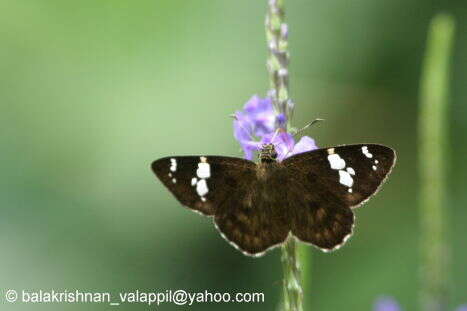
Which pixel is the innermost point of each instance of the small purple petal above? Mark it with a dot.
(252, 104)
(462, 308)
(249, 147)
(256, 105)
(284, 30)
(248, 153)
(386, 304)
(257, 117)
(305, 144)
(265, 123)
(281, 120)
(242, 127)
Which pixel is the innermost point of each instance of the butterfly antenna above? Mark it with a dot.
(301, 130)
(275, 134)
(307, 126)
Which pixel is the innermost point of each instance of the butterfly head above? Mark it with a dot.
(267, 153)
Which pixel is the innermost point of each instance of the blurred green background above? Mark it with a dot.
(91, 92)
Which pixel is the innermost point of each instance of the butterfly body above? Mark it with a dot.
(256, 206)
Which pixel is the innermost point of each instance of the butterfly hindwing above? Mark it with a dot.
(255, 218)
(317, 216)
(203, 183)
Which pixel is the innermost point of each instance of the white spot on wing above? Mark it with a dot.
(350, 190)
(204, 170)
(350, 171)
(203, 199)
(330, 150)
(376, 161)
(202, 187)
(173, 164)
(336, 162)
(366, 152)
(174, 180)
(203, 159)
(345, 178)
(193, 181)
(374, 168)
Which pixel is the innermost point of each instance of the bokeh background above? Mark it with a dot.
(91, 92)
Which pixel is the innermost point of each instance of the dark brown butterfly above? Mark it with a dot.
(256, 206)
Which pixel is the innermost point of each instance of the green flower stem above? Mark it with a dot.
(293, 294)
(433, 152)
(277, 64)
(304, 258)
(278, 59)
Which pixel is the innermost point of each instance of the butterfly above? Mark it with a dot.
(256, 206)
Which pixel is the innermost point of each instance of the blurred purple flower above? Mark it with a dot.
(390, 304)
(386, 304)
(256, 119)
(305, 144)
(256, 125)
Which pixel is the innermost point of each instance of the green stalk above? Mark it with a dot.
(304, 258)
(277, 64)
(433, 156)
(278, 59)
(293, 293)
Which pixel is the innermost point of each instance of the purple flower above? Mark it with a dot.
(285, 144)
(305, 144)
(256, 119)
(386, 304)
(257, 124)
(390, 304)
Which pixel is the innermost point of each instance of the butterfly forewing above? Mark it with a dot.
(352, 173)
(203, 183)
